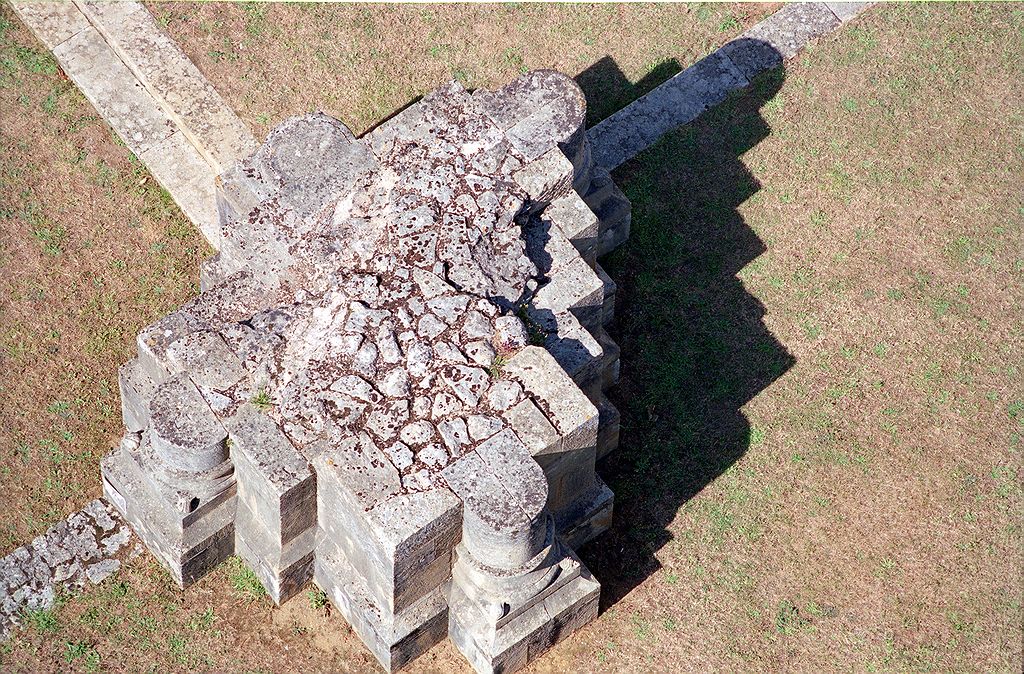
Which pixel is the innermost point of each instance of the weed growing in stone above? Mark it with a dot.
(317, 599)
(497, 367)
(261, 400)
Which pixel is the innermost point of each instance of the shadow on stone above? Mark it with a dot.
(608, 89)
(694, 347)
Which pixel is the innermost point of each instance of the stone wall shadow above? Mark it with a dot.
(607, 88)
(694, 346)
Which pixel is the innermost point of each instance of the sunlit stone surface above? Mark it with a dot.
(392, 382)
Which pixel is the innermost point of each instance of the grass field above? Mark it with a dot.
(820, 319)
(361, 63)
(91, 250)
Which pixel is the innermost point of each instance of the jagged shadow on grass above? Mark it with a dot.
(607, 88)
(694, 346)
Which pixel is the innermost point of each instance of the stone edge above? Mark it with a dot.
(179, 161)
(616, 140)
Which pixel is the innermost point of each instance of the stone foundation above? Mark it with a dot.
(393, 380)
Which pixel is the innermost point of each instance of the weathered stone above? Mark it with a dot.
(168, 73)
(137, 389)
(394, 638)
(181, 170)
(503, 394)
(87, 546)
(481, 427)
(510, 334)
(846, 11)
(102, 75)
(361, 346)
(185, 432)
(273, 477)
(51, 22)
(780, 36)
(681, 99)
(570, 412)
(534, 429)
(207, 359)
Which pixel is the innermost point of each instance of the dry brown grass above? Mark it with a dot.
(91, 250)
(361, 63)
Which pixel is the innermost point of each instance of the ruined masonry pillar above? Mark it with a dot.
(392, 383)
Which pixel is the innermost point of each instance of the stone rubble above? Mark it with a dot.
(392, 382)
(86, 547)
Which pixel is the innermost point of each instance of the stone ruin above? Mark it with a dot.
(392, 381)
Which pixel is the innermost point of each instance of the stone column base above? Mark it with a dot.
(510, 642)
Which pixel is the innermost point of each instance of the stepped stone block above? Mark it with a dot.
(394, 638)
(275, 524)
(608, 306)
(353, 397)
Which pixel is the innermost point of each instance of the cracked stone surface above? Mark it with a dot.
(356, 396)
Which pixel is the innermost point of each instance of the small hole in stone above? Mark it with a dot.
(193, 504)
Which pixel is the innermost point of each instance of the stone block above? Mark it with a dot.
(238, 191)
(395, 639)
(273, 477)
(188, 553)
(547, 178)
(528, 635)
(137, 388)
(402, 545)
(587, 517)
(534, 429)
(569, 410)
(615, 215)
(608, 430)
(573, 287)
(174, 81)
(609, 359)
(845, 11)
(608, 304)
(361, 473)
(108, 84)
(183, 172)
(572, 346)
(570, 475)
(680, 100)
(185, 432)
(778, 37)
(282, 569)
(533, 91)
(154, 340)
(574, 219)
(51, 22)
(207, 360)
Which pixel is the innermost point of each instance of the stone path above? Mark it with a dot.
(86, 547)
(681, 99)
(149, 91)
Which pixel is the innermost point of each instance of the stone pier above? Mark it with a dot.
(392, 382)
